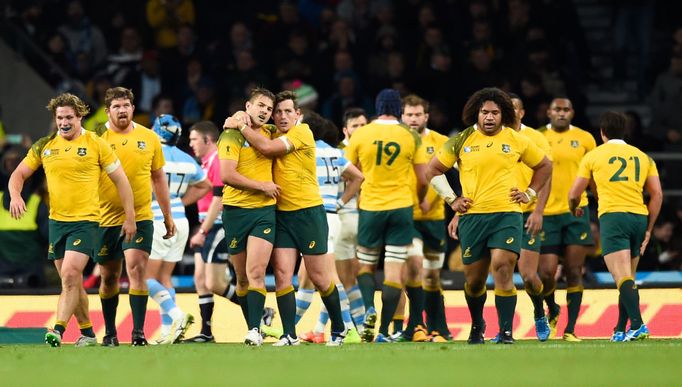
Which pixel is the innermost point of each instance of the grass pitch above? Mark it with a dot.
(527, 363)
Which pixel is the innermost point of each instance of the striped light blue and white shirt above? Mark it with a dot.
(181, 171)
(330, 166)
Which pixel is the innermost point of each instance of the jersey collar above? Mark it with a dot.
(616, 141)
(386, 122)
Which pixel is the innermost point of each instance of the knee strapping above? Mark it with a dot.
(397, 254)
(433, 261)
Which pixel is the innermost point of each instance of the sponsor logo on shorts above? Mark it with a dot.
(311, 244)
(104, 251)
(77, 242)
(510, 240)
(233, 243)
(583, 236)
(82, 151)
(542, 236)
(139, 240)
(531, 242)
(467, 253)
(267, 231)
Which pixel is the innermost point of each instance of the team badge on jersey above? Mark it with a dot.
(141, 145)
(429, 150)
(575, 143)
(82, 151)
(506, 148)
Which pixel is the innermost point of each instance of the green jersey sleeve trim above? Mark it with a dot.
(459, 139)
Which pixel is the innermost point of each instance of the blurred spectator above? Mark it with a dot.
(535, 100)
(541, 63)
(660, 252)
(162, 104)
(23, 242)
(147, 84)
(166, 17)
(200, 106)
(431, 41)
(245, 72)
(295, 59)
(481, 71)
(98, 116)
(665, 102)
(57, 51)
(123, 65)
(83, 39)
(31, 20)
(345, 96)
(176, 63)
(633, 29)
(634, 134)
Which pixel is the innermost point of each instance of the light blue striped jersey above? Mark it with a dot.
(330, 166)
(181, 172)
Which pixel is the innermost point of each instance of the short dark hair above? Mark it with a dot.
(257, 91)
(322, 128)
(285, 95)
(415, 100)
(516, 96)
(493, 94)
(206, 128)
(353, 112)
(612, 124)
(118, 93)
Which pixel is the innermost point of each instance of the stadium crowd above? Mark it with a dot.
(200, 62)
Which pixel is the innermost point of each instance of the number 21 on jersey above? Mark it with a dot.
(619, 175)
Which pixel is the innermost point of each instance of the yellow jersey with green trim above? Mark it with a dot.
(620, 172)
(524, 173)
(431, 142)
(296, 171)
(487, 166)
(385, 151)
(250, 163)
(73, 169)
(568, 148)
(140, 153)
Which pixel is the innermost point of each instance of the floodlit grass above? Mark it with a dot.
(527, 363)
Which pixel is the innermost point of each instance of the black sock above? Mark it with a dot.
(390, 297)
(206, 310)
(574, 298)
(109, 306)
(367, 288)
(476, 302)
(630, 296)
